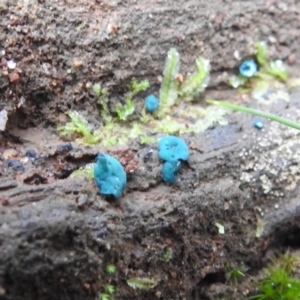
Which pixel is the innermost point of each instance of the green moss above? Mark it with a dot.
(126, 110)
(261, 53)
(233, 275)
(148, 140)
(169, 87)
(278, 283)
(271, 74)
(80, 26)
(106, 297)
(257, 113)
(88, 170)
(171, 91)
(143, 283)
(175, 115)
(277, 70)
(80, 127)
(137, 87)
(167, 255)
(197, 82)
(111, 269)
(259, 226)
(109, 289)
(102, 94)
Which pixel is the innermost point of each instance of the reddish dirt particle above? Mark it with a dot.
(5, 202)
(180, 78)
(78, 63)
(14, 77)
(127, 159)
(168, 242)
(193, 146)
(291, 59)
(3, 62)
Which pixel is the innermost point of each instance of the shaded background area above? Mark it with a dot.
(60, 46)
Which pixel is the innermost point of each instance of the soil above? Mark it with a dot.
(57, 234)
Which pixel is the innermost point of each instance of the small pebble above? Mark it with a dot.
(82, 200)
(258, 124)
(11, 64)
(10, 153)
(14, 164)
(64, 147)
(102, 233)
(149, 153)
(24, 160)
(31, 154)
(236, 55)
(291, 59)
(3, 119)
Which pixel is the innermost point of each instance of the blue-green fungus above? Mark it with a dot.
(248, 68)
(172, 150)
(109, 175)
(152, 103)
(169, 171)
(258, 124)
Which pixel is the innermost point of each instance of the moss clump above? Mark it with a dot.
(233, 275)
(176, 114)
(279, 283)
(143, 283)
(271, 74)
(80, 127)
(126, 110)
(88, 170)
(102, 94)
(109, 290)
(168, 93)
(111, 269)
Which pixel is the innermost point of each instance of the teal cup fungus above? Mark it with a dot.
(172, 150)
(248, 68)
(109, 175)
(152, 103)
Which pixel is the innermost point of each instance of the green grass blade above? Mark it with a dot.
(257, 113)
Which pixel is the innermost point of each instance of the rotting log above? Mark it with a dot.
(58, 238)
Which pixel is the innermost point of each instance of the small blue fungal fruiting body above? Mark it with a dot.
(173, 150)
(248, 68)
(109, 175)
(152, 103)
(169, 171)
(258, 124)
